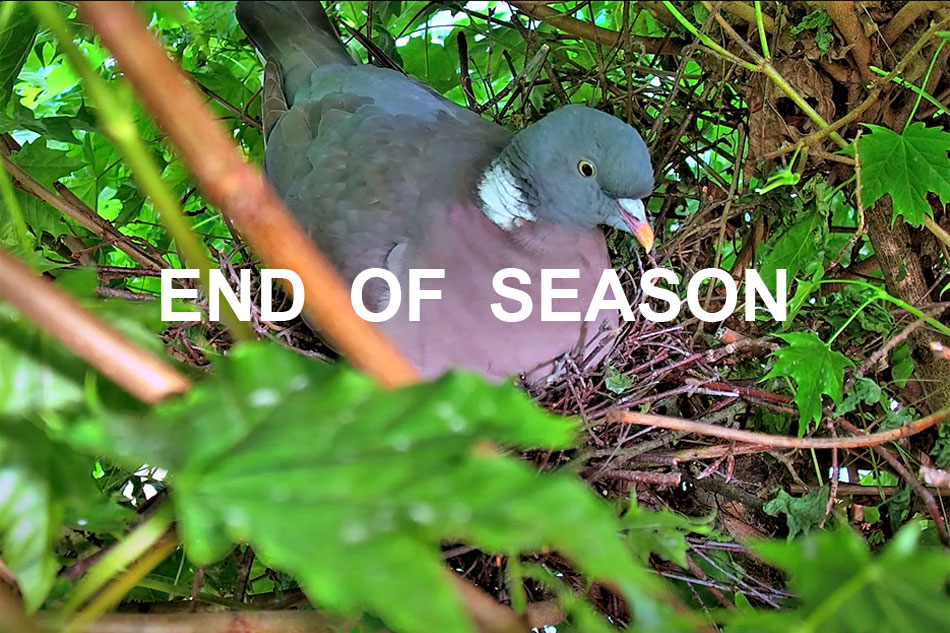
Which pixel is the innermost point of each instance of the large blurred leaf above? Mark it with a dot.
(42, 482)
(906, 166)
(843, 588)
(352, 487)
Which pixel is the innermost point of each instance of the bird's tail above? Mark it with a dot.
(297, 36)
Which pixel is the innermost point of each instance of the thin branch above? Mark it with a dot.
(238, 190)
(590, 32)
(925, 495)
(779, 441)
(135, 370)
(83, 215)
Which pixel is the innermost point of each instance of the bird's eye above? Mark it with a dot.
(586, 168)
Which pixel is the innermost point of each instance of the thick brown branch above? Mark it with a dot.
(135, 370)
(844, 16)
(238, 190)
(908, 14)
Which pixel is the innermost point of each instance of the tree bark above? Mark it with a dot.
(904, 278)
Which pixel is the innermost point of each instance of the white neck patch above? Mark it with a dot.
(502, 201)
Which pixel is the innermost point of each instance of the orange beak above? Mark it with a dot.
(635, 217)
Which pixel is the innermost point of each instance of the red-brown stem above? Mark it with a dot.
(135, 370)
(779, 441)
(238, 190)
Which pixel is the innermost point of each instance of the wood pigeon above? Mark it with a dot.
(386, 173)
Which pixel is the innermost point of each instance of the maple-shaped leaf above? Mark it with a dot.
(816, 370)
(906, 166)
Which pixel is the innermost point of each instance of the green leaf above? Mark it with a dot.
(44, 164)
(803, 243)
(842, 587)
(17, 33)
(617, 382)
(801, 513)
(336, 480)
(43, 482)
(663, 533)
(864, 390)
(30, 514)
(902, 365)
(906, 166)
(36, 374)
(816, 370)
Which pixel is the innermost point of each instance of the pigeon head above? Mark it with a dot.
(577, 167)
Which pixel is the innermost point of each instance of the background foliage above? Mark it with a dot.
(292, 482)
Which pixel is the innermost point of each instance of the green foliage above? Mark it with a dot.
(348, 491)
(816, 370)
(864, 390)
(819, 22)
(44, 483)
(801, 513)
(906, 166)
(842, 587)
(617, 382)
(382, 477)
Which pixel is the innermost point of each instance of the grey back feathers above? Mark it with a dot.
(297, 36)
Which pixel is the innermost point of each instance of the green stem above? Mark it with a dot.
(705, 39)
(113, 594)
(117, 559)
(119, 124)
(903, 305)
(851, 318)
(203, 596)
(906, 84)
(923, 85)
(763, 37)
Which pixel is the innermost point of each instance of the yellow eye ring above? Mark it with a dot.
(586, 168)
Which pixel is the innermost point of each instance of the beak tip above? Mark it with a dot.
(644, 235)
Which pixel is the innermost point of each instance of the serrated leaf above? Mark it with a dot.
(906, 166)
(338, 481)
(816, 370)
(801, 513)
(17, 33)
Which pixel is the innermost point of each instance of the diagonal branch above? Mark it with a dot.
(238, 190)
(135, 370)
(75, 209)
(591, 32)
(779, 441)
